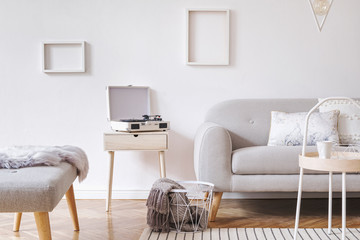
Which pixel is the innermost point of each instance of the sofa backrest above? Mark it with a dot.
(248, 120)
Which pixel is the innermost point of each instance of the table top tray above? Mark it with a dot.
(339, 162)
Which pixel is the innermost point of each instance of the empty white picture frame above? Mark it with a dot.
(63, 56)
(208, 33)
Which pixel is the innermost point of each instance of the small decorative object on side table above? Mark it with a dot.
(338, 162)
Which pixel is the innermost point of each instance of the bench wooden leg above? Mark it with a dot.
(70, 198)
(17, 220)
(43, 225)
(215, 205)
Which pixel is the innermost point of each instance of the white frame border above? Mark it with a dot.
(81, 43)
(227, 42)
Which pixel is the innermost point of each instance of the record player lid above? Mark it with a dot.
(127, 102)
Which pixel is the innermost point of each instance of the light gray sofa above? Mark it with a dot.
(231, 151)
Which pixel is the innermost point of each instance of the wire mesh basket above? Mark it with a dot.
(190, 207)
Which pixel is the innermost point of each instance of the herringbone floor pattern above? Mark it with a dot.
(128, 218)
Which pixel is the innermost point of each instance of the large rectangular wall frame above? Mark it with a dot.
(63, 56)
(207, 36)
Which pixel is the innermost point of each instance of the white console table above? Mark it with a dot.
(141, 141)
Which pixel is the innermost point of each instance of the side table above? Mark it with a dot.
(351, 163)
(139, 141)
(344, 162)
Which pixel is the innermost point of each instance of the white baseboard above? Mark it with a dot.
(116, 194)
(143, 194)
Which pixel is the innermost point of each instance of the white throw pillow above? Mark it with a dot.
(287, 129)
(349, 119)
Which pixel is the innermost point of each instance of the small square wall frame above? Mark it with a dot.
(207, 37)
(63, 56)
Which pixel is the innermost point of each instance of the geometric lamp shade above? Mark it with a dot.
(320, 9)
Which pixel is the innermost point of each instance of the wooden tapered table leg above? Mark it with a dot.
(70, 198)
(17, 220)
(109, 192)
(43, 225)
(162, 164)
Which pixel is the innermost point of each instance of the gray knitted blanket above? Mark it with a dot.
(28, 156)
(166, 207)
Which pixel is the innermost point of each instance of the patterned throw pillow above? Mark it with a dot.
(349, 119)
(287, 129)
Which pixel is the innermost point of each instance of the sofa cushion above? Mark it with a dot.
(34, 189)
(349, 119)
(287, 129)
(268, 160)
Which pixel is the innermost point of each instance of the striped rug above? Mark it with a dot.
(253, 234)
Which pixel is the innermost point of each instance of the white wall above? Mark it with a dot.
(276, 52)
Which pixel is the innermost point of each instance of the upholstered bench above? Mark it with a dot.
(38, 189)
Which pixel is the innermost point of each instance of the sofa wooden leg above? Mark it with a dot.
(17, 220)
(70, 198)
(215, 205)
(43, 225)
(206, 196)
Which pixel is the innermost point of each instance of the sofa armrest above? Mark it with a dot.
(212, 156)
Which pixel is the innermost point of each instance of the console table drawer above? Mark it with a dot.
(135, 142)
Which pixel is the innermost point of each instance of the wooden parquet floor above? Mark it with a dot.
(128, 218)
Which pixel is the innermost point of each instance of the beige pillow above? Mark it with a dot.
(287, 129)
(349, 119)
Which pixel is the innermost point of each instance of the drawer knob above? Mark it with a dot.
(136, 135)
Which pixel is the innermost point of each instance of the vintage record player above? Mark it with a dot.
(129, 110)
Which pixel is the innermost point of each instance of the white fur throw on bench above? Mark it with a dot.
(28, 156)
